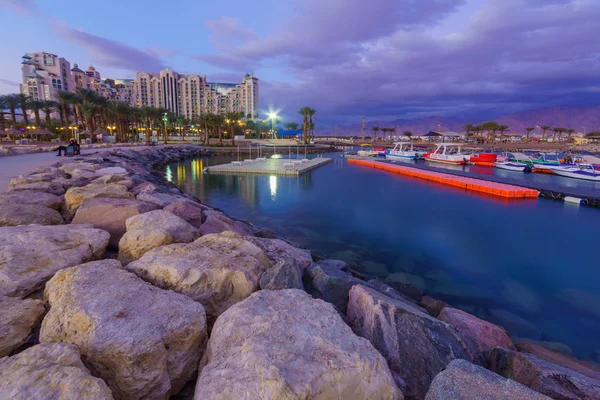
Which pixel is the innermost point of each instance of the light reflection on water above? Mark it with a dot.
(531, 266)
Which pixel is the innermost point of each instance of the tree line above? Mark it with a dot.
(89, 110)
(492, 129)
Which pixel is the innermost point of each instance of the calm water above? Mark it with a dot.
(531, 266)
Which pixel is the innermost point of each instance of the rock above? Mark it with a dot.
(49, 372)
(69, 183)
(143, 187)
(407, 290)
(329, 281)
(26, 214)
(144, 342)
(278, 250)
(17, 319)
(30, 255)
(544, 377)
(33, 178)
(75, 196)
(153, 229)
(286, 274)
(433, 306)
(216, 270)
(110, 214)
(33, 197)
(84, 173)
(484, 334)
(416, 346)
(120, 179)
(588, 369)
(407, 279)
(112, 171)
(216, 222)
(514, 324)
(462, 380)
(160, 199)
(389, 291)
(555, 347)
(285, 345)
(54, 188)
(189, 211)
(81, 166)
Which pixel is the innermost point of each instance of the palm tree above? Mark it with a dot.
(65, 99)
(468, 129)
(2, 107)
(529, 130)
(305, 112)
(544, 129)
(571, 131)
(503, 128)
(291, 126)
(36, 106)
(48, 107)
(218, 122)
(24, 101)
(311, 124)
(558, 131)
(392, 131)
(12, 102)
(375, 129)
(408, 134)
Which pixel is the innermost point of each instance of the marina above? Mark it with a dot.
(270, 166)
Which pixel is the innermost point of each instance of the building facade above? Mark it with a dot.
(45, 74)
(191, 95)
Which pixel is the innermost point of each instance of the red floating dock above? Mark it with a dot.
(472, 184)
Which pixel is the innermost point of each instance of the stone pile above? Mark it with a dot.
(115, 285)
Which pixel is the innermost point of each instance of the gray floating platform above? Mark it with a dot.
(270, 166)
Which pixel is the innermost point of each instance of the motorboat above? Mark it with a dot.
(404, 151)
(482, 157)
(447, 153)
(582, 171)
(372, 151)
(545, 160)
(518, 162)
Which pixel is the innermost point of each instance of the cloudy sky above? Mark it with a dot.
(348, 59)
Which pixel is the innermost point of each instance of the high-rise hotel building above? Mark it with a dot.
(191, 95)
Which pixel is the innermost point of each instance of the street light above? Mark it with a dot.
(273, 117)
(165, 119)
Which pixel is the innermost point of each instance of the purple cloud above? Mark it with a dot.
(510, 55)
(111, 53)
(23, 7)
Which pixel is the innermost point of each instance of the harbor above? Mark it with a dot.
(270, 166)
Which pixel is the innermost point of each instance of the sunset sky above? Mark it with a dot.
(348, 59)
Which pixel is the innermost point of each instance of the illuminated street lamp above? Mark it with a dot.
(273, 117)
(165, 119)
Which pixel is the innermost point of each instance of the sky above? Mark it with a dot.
(348, 59)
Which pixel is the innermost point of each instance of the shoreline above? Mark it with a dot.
(169, 244)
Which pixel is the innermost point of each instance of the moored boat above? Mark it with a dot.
(404, 151)
(447, 153)
(371, 151)
(582, 171)
(518, 162)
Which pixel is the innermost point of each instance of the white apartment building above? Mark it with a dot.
(191, 95)
(44, 74)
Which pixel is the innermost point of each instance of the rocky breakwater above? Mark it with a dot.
(141, 292)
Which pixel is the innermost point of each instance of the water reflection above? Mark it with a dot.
(169, 173)
(273, 186)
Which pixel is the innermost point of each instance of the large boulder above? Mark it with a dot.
(189, 211)
(54, 188)
(550, 379)
(286, 274)
(278, 250)
(588, 369)
(416, 346)
(328, 280)
(160, 199)
(110, 214)
(112, 171)
(217, 222)
(462, 380)
(216, 270)
(33, 197)
(25, 214)
(17, 319)
(433, 306)
(144, 342)
(30, 255)
(153, 229)
(485, 335)
(286, 345)
(76, 195)
(49, 372)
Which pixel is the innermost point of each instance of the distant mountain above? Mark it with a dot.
(580, 119)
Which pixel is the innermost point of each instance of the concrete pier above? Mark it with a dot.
(270, 166)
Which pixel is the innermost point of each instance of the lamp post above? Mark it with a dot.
(273, 118)
(165, 119)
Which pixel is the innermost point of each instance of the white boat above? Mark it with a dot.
(448, 153)
(512, 166)
(404, 151)
(583, 171)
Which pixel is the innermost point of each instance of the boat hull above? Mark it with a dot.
(511, 166)
(578, 174)
(484, 158)
(445, 159)
(405, 155)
